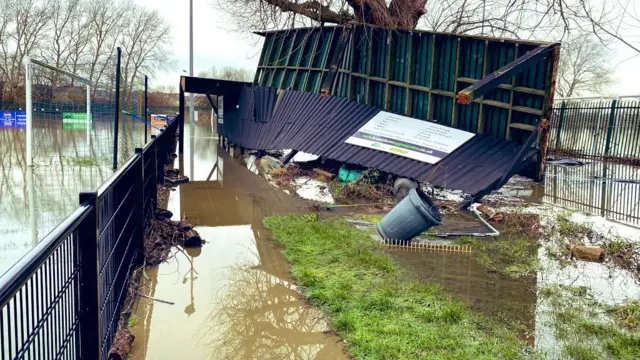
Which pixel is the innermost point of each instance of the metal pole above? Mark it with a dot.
(33, 231)
(117, 115)
(146, 115)
(560, 123)
(191, 108)
(89, 118)
(29, 108)
(610, 128)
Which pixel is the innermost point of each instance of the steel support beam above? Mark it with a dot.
(502, 75)
(213, 104)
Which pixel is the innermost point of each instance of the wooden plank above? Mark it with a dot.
(522, 126)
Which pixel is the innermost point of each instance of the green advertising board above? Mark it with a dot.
(75, 120)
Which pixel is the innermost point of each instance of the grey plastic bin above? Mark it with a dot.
(413, 215)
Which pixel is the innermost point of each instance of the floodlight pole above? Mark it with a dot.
(29, 109)
(191, 109)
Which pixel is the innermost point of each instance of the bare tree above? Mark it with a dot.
(228, 73)
(539, 20)
(106, 20)
(584, 67)
(23, 30)
(145, 41)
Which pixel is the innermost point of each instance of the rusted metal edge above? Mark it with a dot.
(327, 86)
(491, 81)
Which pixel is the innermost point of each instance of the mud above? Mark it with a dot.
(233, 298)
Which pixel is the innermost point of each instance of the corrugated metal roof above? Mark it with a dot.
(320, 125)
(413, 73)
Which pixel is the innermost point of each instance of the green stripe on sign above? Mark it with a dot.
(75, 117)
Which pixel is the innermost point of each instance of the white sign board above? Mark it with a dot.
(412, 138)
(220, 110)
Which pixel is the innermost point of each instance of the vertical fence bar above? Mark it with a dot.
(117, 114)
(560, 122)
(88, 297)
(146, 116)
(139, 184)
(154, 169)
(612, 119)
(29, 109)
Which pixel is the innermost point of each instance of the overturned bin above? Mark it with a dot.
(413, 215)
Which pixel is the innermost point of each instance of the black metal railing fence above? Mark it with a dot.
(63, 299)
(608, 129)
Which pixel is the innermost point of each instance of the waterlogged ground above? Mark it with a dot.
(234, 297)
(526, 279)
(33, 201)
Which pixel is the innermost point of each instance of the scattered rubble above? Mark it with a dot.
(121, 344)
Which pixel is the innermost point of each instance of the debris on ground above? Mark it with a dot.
(121, 344)
(492, 215)
(588, 253)
(323, 174)
(172, 177)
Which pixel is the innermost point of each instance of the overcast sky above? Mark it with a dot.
(215, 44)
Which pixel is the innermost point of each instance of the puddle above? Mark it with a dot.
(237, 301)
(516, 301)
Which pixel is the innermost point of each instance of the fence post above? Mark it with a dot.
(139, 184)
(29, 109)
(560, 123)
(146, 116)
(117, 118)
(89, 291)
(154, 160)
(612, 120)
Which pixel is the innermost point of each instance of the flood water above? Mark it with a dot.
(66, 161)
(234, 298)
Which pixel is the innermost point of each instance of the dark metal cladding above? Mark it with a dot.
(320, 125)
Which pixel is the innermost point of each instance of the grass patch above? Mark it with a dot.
(515, 257)
(133, 320)
(376, 307)
(627, 315)
(587, 329)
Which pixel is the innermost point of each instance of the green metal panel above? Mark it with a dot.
(301, 79)
(416, 73)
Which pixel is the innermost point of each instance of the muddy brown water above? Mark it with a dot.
(66, 162)
(234, 298)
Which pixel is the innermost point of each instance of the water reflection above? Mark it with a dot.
(238, 300)
(599, 188)
(33, 201)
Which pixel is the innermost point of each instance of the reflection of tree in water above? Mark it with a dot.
(260, 316)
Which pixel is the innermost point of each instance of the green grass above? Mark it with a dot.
(379, 310)
(515, 257)
(627, 315)
(587, 329)
(133, 320)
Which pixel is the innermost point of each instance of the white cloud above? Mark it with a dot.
(213, 44)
